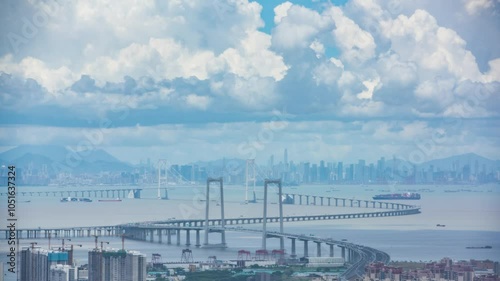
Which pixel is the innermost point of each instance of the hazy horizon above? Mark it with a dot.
(263, 160)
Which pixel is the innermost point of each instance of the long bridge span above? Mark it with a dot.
(92, 193)
(297, 199)
(159, 228)
(356, 256)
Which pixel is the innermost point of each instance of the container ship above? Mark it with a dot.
(397, 196)
(481, 247)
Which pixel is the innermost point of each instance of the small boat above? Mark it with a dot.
(440, 225)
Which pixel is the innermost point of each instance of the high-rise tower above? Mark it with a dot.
(118, 265)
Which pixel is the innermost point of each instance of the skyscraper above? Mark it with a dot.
(323, 176)
(340, 171)
(121, 265)
(285, 166)
(34, 264)
(38, 264)
(359, 174)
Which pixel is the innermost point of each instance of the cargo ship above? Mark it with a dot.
(481, 247)
(397, 196)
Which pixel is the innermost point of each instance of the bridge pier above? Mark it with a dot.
(169, 237)
(307, 200)
(188, 238)
(306, 249)
(343, 252)
(351, 202)
(151, 235)
(318, 249)
(329, 201)
(314, 200)
(331, 250)
(293, 248)
(300, 199)
(321, 200)
(197, 238)
(178, 237)
(160, 235)
(343, 202)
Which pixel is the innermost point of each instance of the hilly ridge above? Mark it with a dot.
(59, 158)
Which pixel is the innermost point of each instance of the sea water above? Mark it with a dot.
(470, 215)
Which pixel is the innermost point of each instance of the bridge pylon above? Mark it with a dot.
(162, 178)
(264, 221)
(250, 178)
(222, 231)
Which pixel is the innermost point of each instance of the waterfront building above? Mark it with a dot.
(38, 264)
(116, 265)
(34, 264)
(444, 270)
(83, 273)
(62, 272)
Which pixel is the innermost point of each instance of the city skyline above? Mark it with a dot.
(53, 165)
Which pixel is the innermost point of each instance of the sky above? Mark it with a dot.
(189, 80)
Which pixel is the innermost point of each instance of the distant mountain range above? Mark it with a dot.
(459, 161)
(57, 159)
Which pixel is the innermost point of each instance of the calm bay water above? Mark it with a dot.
(472, 218)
